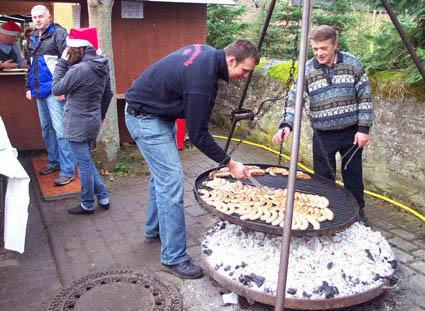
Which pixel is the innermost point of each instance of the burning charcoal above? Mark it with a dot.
(376, 277)
(231, 273)
(258, 280)
(356, 281)
(323, 286)
(237, 267)
(330, 265)
(344, 276)
(330, 291)
(227, 268)
(243, 265)
(393, 263)
(369, 255)
(244, 280)
(292, 291)
(306, 295)
(207, 252)
(216, 267)
(365, 283)
(223, 226)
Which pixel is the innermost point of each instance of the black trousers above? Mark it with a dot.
(331, 142)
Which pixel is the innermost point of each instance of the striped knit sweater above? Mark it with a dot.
(339, 95)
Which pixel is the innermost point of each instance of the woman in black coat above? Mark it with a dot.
(83, 76)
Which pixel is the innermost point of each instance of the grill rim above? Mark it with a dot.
(293, 303)
(268, 228)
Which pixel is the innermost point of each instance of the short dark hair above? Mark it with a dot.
(242, 49)
(322, 33)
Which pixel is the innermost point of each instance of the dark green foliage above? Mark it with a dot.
(222, 25)
(377, 43)
(415, 11)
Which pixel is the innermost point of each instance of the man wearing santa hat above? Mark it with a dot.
(10, 55)
(46, 44)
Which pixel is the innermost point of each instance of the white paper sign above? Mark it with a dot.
(131, 9)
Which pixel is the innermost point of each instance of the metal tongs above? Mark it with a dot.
(258, 185)
(352, 147)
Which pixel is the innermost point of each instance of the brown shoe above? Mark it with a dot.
(48, 170)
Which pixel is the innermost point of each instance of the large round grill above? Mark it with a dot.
(341, 202)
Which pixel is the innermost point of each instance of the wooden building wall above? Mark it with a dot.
(137, 43)
(21, 7)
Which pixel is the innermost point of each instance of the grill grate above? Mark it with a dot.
(341, 202)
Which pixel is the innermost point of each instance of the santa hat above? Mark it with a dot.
(10, 28)
(80, 37)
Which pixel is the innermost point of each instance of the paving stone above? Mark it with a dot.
(412, 307)
(404, 234)
(196, 211)
(402, 256)
(72, 242)
(126, 226)
(208, 220)
(402, 244)
(419, 300)
(419, 253)
(102, 223)
(419, 265)
(416, 282)
(120, 247)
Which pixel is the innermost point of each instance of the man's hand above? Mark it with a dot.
(60, 98)
(237, 169)
(28, 95)
(361, 139)
(8, 64)
(282, 133)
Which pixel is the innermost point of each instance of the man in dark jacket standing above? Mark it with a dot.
(46, 45)
(181, 85)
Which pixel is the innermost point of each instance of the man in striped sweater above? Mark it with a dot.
(340, 110)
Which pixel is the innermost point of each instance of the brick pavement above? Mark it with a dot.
(71, 247)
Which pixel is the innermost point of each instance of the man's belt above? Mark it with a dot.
(134, 112)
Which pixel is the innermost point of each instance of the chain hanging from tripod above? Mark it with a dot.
(262, 109)
(288, 85)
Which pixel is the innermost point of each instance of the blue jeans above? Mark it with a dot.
(155, 138)
(59, 152)
(90, 179)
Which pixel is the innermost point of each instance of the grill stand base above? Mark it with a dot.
(291, 303)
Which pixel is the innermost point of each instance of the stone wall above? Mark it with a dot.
(394, 158)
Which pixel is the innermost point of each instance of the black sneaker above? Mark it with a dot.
(48, 170)
(104, 206)
(152, 239)
(78, 210)
(63, 180)
(185, 270)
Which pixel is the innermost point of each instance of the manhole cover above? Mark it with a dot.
(117, 290)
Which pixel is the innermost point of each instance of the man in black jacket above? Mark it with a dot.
(181, 85)
(46, 44)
